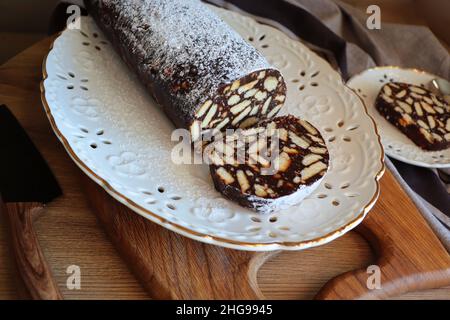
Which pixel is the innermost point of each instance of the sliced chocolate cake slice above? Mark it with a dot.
(271, 166)
(417, 112)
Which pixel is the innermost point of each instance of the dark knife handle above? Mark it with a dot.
(30, 260)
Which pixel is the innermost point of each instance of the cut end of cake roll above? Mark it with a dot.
(271, 166)
(241, 103)
(418, 113)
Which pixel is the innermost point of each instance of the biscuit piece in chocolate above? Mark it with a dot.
(418, 113)
(270, 166)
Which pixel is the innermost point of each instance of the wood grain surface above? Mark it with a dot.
(70, 235)
(409, 255)
(29, 258)
(170, 266)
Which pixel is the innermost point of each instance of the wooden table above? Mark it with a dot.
(70, 235)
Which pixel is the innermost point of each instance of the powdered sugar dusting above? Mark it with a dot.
(179, 39)
(267, 205)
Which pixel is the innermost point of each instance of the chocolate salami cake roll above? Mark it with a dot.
(206, 77)
(270, 166)
(418, 113)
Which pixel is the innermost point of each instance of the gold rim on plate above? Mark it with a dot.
(391, 67)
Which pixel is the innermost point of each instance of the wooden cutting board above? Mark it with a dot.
(69, 235)
(170, 266)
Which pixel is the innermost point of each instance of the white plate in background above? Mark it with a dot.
(396, 145)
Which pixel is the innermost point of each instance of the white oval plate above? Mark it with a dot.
(398, 146)
(117, 134)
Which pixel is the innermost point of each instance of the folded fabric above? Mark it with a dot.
(427, 184)
(341, 28)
